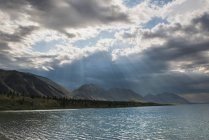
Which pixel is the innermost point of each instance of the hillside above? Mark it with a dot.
(94, 92)
(29, 85)
(123, 95)
(166, 98)
(89, 92)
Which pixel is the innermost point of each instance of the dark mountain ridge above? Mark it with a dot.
(29, 84)
(94, 92)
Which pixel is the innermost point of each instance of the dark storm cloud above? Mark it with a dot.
(59, 15)
(6, 57)
(203, 21)
(12, 5)
(198, 25)
(78, 13)
(179, 50)
(3, 46)
(18, 35)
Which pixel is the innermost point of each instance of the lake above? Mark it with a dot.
(189, 122)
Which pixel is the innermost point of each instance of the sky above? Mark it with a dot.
(149, 46)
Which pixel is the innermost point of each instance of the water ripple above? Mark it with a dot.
(154, 123)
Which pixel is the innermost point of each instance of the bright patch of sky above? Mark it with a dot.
(133, 3)
(153, 22)
(160, 2)
(92, 41)
(45, 46)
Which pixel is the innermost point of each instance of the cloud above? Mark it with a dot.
(177, 10)
(27, 22)
(68, 13)
(18, 35)
(202, 22)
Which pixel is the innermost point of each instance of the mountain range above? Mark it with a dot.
(28, 84)
(94, 92)
(165, 98)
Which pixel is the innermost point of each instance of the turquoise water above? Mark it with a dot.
(189, 122)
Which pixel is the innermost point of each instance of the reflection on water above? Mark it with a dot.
(167, 122)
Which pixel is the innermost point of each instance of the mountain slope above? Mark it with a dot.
(94, 92)
(89, 92)
(29, 85)
(166, 98)
(121, 94)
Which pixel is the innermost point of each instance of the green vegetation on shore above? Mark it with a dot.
(14, 102)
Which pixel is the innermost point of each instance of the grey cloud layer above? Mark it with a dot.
(18, 35)
(77, 13)
(63, 14)
(191, 45)
(197, 25)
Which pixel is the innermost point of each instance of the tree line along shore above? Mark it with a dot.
(13, 101)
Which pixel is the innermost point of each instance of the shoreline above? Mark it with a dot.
(63, 109)
(15, 103)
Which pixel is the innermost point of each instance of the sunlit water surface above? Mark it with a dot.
(166, 122)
